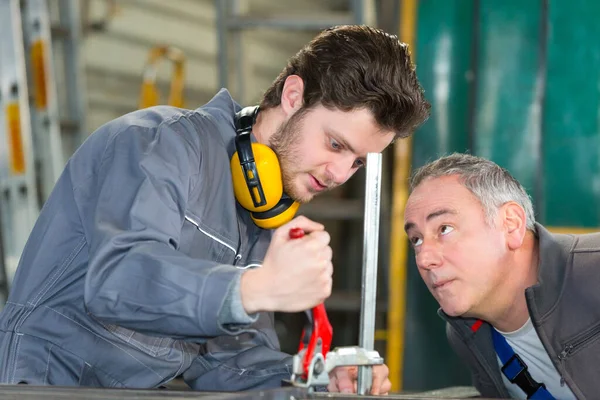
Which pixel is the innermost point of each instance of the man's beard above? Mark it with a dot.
(284, 143)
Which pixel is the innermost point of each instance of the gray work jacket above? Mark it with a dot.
(564, 307)
(131, 274)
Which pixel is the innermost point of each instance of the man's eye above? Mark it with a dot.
(446, 229)
(416, 241)
(359, 164)
(335, 145)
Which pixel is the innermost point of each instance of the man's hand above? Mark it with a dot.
(345, 380)
(296, 273)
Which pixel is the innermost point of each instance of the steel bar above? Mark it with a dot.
(369, 277)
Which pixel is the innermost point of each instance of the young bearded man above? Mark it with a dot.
(145, 264)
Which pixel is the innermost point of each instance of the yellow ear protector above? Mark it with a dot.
(256, 174)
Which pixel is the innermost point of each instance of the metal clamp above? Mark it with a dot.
(320, 367)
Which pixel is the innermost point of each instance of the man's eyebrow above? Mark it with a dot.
(340, 138)
(443, 211)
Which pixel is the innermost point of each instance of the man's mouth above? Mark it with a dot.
(316, 184)
(442, 283)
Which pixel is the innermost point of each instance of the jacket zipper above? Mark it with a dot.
(571, 347)
(238, 255)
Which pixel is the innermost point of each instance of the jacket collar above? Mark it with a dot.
(223, 107)
(555, 256)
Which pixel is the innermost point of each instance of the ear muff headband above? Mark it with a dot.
(256, 173)
(245, 155)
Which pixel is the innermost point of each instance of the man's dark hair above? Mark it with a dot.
(351, 67)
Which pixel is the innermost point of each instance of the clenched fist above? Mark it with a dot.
(296, 273)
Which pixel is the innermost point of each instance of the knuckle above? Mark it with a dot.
(302, 219)
(315, 236)
(323, 237)
(329, 253)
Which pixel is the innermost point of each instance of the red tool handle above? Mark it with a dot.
(318, 328)
(296, 233)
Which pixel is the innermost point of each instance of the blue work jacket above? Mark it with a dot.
(131, 274)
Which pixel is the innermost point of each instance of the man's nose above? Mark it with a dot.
(341, 170)
(429, 255)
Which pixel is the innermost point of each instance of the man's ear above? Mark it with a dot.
(292, 95)
(515, 224)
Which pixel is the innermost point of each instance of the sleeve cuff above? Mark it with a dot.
(232, 316)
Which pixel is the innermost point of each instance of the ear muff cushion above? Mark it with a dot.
(281, 214)
(269, 172)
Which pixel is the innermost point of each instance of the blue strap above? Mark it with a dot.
(503, 349)
(515, 370)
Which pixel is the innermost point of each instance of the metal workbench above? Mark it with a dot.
(25, 392)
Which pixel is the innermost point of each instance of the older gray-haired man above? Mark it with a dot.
(522, 305)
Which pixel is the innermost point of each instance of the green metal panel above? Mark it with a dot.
(571, 139)
(507, 114)
(443, 45)
(535, 110)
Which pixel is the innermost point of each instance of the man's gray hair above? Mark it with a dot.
(491, 184)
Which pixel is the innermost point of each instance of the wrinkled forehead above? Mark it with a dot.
(446, 191)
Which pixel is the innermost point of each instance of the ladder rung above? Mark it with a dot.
(11, 182)
(69, 126)
(333, 209)
(349, 301)
(299, 23)
(59, 32)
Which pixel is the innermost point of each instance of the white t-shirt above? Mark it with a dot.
(526, 343)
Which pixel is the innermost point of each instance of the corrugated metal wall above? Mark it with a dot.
(114, 58)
